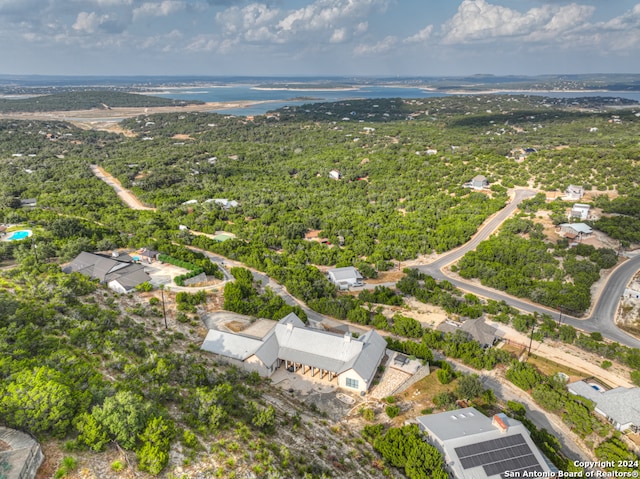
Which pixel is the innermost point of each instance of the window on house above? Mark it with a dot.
(352, 383)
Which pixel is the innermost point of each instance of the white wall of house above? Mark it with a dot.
(254, 363)
(345, 380)
(117, 287)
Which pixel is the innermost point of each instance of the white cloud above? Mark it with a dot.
(477, 20)
(325, 14)
(159, 9)
(383, 46)
(333, 21)
(203, 43)
(89, 22)
(422, 36)
(339, 36)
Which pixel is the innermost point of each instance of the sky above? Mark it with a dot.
(319, 37)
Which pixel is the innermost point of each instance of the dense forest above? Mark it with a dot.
(85, 100)
(76, 359)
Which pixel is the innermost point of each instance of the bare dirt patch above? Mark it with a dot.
(125, 195)
(180, 136)
(235, 326)
(392, 276)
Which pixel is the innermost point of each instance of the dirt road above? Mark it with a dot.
(125, 195)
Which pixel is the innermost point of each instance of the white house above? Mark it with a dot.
(335, 175)
(351, 362)
(621, 406)
(580, 211)
(477, 447)
(346, 277)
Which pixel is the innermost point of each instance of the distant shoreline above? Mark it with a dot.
(353, 88)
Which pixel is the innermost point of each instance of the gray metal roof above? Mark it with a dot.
(230, 345)
(269, 350)
(455, 424)
(106, 269)
(620, 404)
(345, 274)
(578, 227)
(291, 340)
(316, 348)
(374, 348)
(129, 277)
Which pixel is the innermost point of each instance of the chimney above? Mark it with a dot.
(289, 326)
(499, 421)
(347, 337)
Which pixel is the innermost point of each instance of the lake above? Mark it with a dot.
(278, 98)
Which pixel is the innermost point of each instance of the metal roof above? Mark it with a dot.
(230, 345)
(578, 227)
(344, 274)
(291, 340)
(478, 447)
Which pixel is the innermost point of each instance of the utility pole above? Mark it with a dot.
(533, 328)
(164, 311)
(560, 319)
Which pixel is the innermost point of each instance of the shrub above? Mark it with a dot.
(392, 411)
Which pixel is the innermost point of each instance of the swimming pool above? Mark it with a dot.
(18, 235)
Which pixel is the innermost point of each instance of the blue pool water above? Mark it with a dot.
(18, 235)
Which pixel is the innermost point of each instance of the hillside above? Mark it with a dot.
(86, 100)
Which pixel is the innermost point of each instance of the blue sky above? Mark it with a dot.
(318, 37)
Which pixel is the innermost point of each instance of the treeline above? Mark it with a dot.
(551, 393)
(520, 262)
(87, 100)
(624, 222)
(241, 296)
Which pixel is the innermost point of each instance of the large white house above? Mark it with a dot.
(477, 447)
(351, 362)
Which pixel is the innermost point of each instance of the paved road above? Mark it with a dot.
(603, 313)
(433, 269)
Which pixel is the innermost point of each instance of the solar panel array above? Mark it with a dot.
(511, 453)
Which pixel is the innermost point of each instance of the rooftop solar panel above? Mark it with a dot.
(497, 456)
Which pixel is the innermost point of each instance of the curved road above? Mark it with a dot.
(603, 312)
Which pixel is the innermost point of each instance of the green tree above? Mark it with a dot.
(469, 386)
(156, 439)
(38, 400)
(124, 416)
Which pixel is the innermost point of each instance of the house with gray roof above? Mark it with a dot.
(478, 182)
(621, 406)
(352, 362)
(475, 328)
(477, 447)
(345, 278)
(117, 272)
